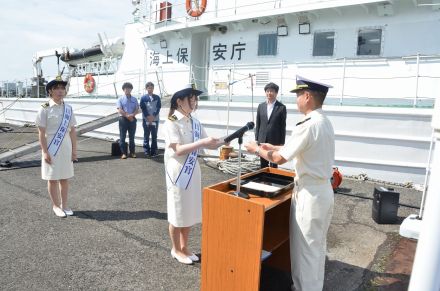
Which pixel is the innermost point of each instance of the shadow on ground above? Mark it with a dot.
(339, 276)
(115, 215)
(342, 276)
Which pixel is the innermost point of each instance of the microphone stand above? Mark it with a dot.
(238, 192)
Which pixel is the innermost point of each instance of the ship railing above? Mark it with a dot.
(103, 67)
(156, 14)
(346, 73)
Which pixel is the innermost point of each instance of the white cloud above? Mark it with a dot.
(30, 26)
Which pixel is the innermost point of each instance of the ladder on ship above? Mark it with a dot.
(81, 129)
(163, 92)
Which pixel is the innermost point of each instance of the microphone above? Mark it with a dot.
(250, 125)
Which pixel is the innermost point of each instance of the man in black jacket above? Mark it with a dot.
(271, 121)
(150, 105)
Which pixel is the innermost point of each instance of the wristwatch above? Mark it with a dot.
(257, 152)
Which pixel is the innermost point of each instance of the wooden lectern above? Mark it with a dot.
(236, 230)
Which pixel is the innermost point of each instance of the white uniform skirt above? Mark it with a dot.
(184, 207)
(62, 165)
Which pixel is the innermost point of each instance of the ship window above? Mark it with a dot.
(323, 43)
(369, 42)
(267, 44)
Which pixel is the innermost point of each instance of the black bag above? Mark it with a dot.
(116, 149)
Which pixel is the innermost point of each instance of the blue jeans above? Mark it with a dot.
(150, 129)
(124, 126)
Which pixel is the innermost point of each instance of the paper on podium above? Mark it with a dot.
(261, 187)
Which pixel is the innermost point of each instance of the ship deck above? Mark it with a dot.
(118, 238)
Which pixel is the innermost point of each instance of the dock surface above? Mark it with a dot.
(118, 238)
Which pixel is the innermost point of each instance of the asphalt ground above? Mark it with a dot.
(118, 238)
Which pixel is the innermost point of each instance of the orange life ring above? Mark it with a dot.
(89, 83)
(197, 11)
(336, 178)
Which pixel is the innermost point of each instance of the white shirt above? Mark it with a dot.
(50, 117)
(312, 146)
(270, 108)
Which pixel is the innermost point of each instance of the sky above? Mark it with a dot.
(29, 26)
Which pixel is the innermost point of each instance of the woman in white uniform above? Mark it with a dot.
(184, 136)
(57, 136)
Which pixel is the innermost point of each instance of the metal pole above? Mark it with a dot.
(417, 81)
(77, 85)
(38, 86)
(427, 175)
(427, 260)
(281, 81)
(252, 90)
(343, 83)
(229, 100)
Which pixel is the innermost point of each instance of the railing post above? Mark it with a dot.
(417, 81)
(281, 81)
(426, 267)
(38, 86)
(343, 82)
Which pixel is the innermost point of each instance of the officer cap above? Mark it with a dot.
(54, 82)
(188, 91)
(303, 83)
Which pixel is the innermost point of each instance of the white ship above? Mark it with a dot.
(382, 58)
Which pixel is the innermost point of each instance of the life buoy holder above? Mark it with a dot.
(198, 10)
(336, 179)
(89, 83)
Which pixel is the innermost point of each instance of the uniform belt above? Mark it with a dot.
(307, 180)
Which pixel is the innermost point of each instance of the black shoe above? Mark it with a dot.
(154, 155)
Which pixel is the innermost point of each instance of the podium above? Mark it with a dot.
(235, 231)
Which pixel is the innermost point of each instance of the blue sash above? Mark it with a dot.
(61, 132)
(187, 170)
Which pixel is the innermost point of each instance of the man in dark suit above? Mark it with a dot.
(271, 121)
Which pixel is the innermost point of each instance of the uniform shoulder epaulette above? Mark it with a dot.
(172, 117)
(45, 105)
(301, 122)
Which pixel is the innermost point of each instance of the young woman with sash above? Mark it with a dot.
(184, 136)
(56, 132)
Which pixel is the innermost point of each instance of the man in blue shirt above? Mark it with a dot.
(128, 107)
(150, 105)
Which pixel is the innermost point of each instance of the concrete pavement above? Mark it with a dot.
(118, 238)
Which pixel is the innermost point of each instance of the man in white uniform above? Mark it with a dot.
(312, 148)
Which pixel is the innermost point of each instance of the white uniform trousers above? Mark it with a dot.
(310, 216)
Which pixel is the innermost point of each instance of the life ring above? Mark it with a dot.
(89, 83)
(198, 10)
(336, 179)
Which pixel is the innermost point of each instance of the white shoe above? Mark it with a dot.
(68, 211)
(193, 257)
(58, 212)
(184, 260)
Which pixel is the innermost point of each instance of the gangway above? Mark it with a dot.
(81, 129)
